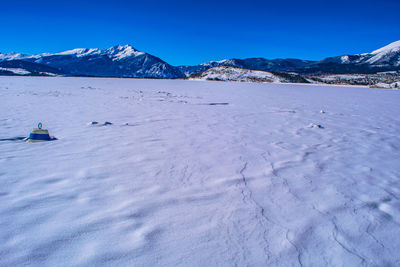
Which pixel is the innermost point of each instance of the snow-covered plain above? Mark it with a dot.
(194, 173)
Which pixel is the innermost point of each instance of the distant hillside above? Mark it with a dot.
(229, 73)
(21, 67)
(383, 59)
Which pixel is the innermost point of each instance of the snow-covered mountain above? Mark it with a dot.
(384, 59)
(126, 61)
(262, 64)
(117, 61)
(386, 56)
(189, 70)
(114, 53)
(230, 73)
(11, 56)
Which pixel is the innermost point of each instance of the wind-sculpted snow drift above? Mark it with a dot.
(178, 180)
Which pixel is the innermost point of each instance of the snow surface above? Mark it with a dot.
(195, 173)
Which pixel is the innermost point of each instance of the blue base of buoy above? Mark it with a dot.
(37, 140)
(39, 135)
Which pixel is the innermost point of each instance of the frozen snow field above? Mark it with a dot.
(194, 173)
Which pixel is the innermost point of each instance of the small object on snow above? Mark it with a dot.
(313, 125)
(215, 104)
(321, 111)
(97, 123)
(39, 135)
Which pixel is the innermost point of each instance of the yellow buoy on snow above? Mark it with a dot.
(39, 135)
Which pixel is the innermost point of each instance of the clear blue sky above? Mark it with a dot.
(192, 32)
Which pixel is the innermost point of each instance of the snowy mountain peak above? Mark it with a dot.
(345, 59)
(73, 51)
(11, 56)
(122, 51)
(393, 47)
(389, 54)
(116, 61)
(117, 52)
(80, 52)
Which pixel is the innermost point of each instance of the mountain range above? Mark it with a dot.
(125, 61)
